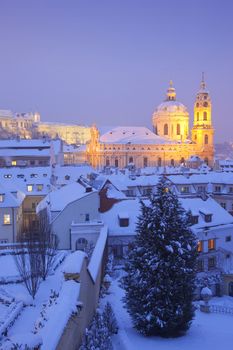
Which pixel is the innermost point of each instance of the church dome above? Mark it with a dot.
(171, 107)
(171, 118)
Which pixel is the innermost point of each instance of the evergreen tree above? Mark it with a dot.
(160, 270)
(109, 319)
(97, 337)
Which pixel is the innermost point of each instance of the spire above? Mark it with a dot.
(171, 92)
(203, 85)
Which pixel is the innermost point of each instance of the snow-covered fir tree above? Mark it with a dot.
(160, 270)
(109, 319)
(97, 336)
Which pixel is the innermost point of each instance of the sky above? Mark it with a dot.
(109, 62)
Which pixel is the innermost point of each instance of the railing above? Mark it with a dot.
(219, 309)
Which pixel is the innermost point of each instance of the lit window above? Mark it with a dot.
(211, 244)
(29, 188)
(13, 163)
(200, 246)
(185, 189)
(6, 219)
(1, 197)
(39, 187)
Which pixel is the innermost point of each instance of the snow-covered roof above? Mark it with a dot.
(11, 199)
(37, 147)
(207, 207)
(111, 217)
(132, 135)
(57, 200)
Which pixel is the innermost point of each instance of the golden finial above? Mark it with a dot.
(171, 83)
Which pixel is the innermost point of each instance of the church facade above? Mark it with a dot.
(170, 143)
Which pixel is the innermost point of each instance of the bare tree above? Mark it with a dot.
(48, 243)
(28, 260)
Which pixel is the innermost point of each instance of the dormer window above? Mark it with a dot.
(217, 189)
(123, 219)
(206, 215)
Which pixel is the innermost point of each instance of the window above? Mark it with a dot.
(7, 176)
(3, 241)
(228, 239)
(178, 129)
(81, 244)
(87, 217)
(205, 104)
(33, 205)
(200, 189)
(172, 162)
(223, 205)
(200, 265)
(211, 244)
(206, 160)
(2, 197)
(211, 263)
(29, 188)
(200, 246)
(185, 189)
(117, 251)
(32, 162)
(217, 189)
(116, 163)
(197, 104)
(159, 161)
(39, 187)
(145, 162)
(197, 116)
(208, 217)
(124, 222)
(13, 163)
(130, 159)
(107, 162)
(194, 219)
(6, 219)
(205, 116)
(231, 189)
(206, 140)
(165, 129)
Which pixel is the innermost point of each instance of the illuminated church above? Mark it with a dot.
(170, 143)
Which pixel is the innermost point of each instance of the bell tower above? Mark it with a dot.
(203, 131)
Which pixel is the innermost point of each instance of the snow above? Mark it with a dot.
(29, 340)
(123, 215)
(57, 200)
(171, 107)
(97, 255)
(59, 314)
(132, 135)
(73, 263)
(207, 332)
(206, 291)
(111, 217)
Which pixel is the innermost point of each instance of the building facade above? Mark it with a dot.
(169, 144)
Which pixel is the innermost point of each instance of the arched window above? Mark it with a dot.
(205, 104)
(178, 129)
(206, 139)
(145, 162)
(107, 162)
(165, 129)
(197, 104)
(182, 160)
(159, 161)
(206, 161)
(81, 244)
(130, 159)
(205, 116)
(197, 116)
(116, 163)
(172, 162)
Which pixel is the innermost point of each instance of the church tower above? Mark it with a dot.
(202, 131)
